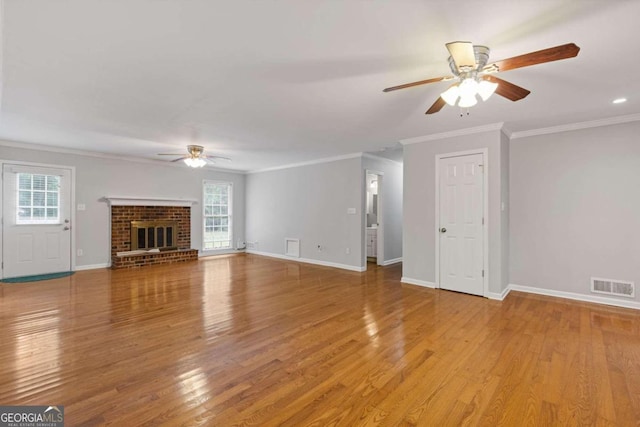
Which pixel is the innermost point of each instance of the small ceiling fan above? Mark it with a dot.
(195, 157)
(475, 77)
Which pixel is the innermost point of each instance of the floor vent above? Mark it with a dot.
(613, 287)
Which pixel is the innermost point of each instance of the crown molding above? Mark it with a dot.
(507, 131)
(576, 126)
(95, 154)
(310, 162)
(453, 133)
(374, 157)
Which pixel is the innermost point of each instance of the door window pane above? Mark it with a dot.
(38, 199)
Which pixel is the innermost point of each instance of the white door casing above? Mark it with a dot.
(460, 223)
(37, 245)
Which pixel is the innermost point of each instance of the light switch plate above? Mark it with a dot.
(351, 211)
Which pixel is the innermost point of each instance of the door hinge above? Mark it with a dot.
(482, 273)
(482, 220)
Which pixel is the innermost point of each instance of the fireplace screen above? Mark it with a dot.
(153, 235)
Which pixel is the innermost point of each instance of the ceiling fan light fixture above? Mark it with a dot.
(467, 100)
(450, 96)
(195, 162)
(468, 88)
(486, 89)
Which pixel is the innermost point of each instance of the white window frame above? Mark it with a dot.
(206, 183)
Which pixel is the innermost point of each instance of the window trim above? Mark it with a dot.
(229, 214)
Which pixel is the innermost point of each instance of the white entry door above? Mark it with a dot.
(461, 224)
(36, 236)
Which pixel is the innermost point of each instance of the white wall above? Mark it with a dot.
(391, 204)
(308, 203)
(575, 208)
(98, 177)
(419, 237)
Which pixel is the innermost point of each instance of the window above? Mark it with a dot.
(217, 215)
(38, 199)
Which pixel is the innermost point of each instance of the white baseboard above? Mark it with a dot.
(204, 254)
(417, 282)
(574, 296)
(308, 261)
(92, 266)
(499, 296)
(392, 261)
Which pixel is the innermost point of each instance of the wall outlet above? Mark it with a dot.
(348, 251)
(82, 207)
(80, 252)
(320, 248)
(252, 245)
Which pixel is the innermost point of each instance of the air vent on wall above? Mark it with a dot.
(292, 247)
(613, 287)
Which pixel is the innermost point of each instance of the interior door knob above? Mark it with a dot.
(443, 230)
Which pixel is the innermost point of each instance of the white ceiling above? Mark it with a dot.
(270, 83)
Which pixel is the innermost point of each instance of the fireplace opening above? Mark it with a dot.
(154, 235)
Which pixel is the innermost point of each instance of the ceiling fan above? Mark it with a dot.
(475, 77)
(195, 157)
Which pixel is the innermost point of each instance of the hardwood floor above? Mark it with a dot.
(248, 340)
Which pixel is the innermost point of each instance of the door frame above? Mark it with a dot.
(485, 212)
(72, 213)
(380, 235)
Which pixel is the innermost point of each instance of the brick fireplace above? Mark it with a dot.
(125, 214)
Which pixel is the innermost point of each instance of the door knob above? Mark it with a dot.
(66, 228)
(443, 230)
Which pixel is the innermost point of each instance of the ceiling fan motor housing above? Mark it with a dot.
(481, 54)
(195, 150)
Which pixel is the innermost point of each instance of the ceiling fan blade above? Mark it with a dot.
(437, 106)
(421, 82)
(507, 89)
(463, 55)
(557, 53)
(169, 154)
(214, 158)
(178, 159)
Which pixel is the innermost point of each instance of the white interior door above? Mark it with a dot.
(36, 236)
(461, 225)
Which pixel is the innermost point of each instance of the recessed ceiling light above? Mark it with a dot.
(619, 100)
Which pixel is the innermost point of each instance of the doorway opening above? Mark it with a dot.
(374, 220)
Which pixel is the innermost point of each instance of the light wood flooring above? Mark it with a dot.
(247, 340)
